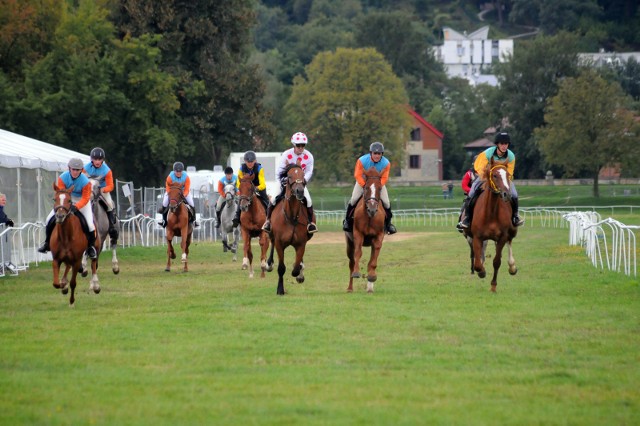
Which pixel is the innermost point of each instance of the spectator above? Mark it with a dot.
(3, 216)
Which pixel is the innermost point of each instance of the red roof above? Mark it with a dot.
(425, 123)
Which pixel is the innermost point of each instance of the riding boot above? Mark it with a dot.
(165, 212)
(218, 212)
(347, 223)
(517, 221)
(192, 219)
(267, 223)
(388, 226)
(113, 231)
(48, 231)
(91, 250)
(465, 222)
(236, 218)
(311, 226)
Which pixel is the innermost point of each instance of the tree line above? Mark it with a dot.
(156, 82)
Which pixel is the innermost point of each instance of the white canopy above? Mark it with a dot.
(21, 151)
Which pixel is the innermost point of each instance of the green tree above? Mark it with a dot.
(587, 127)
(349, 99)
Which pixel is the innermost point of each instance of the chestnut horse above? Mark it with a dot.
(368, 230)
(178, 225)
(491, 220)
(289, 225)
(101, 219)
(252, 217)
(68, 244)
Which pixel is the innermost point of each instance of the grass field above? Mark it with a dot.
(558, 343)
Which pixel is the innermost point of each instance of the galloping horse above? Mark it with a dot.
(252, 218)
(491, 220)
(368, 230)
(102, 224)
(178, 225)
(289, 226)
(68, 243)
(226, 220)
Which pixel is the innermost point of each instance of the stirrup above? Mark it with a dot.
(266, 226)
(44, 247)
(463, 225)
(517, 221)
(391, 229)
(312, 228)
(91, 252)
(163, 223)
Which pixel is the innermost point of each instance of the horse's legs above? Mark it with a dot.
(264, 247)
(56, 273)
(298, 267)
(185, 242)
(478, 262)
(357, 255)
(512, 261)
(170, 254)
(270, 259)
(115, 266)
(248, 255)
(95, 282)
(376, 246)
(497, 261)
(74, 273)
(282, 268)
(350, 250)
(64, 283)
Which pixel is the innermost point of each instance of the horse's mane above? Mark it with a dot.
(283, 173)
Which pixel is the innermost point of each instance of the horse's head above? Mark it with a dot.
(62, 202)
(176, 197)
(229, 193)
(295, 181)
(247, 191)
(499, 179)
(372, 189)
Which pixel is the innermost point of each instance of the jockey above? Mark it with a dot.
(228, 179)
(98, 169)
(81, 198)
(300, 156)
(376, 159)
(178, 175)
(500, 152)
(252, 168)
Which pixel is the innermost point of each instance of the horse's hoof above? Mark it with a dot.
(65, 290)
(482, 274)
(244, 267)
(56, 285)
(85, 273)
(493, 288)
(355, 275)
(233, 251)
(96, 290)
(116, 271)
(349, 290)
(300, 279)
(369, 291)
(167, 269)
(514, 272)
(173, 255)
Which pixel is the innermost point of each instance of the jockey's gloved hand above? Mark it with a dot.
(73, 209)
(9, 222)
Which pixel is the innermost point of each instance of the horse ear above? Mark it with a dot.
(71, 188)
(55, 187)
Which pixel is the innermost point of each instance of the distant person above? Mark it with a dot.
(228, 179)
(301, 156)
(3, 216)
(500, 152)
(450, 189)
(252, 168)
(467, 180)
(376, 159)
(98, 169)
(179, 176)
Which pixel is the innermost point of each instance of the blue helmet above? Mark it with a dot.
(178, 166)
(249, 156)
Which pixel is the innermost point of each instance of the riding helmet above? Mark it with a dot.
(249, 156)
(376, 147)
(178, 166)
(228, 171)
(76, 163)
(299, 138)
(97, 154)
(503, 137)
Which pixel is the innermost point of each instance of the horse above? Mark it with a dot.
(226, 221)
(491, 220)
(368, 230)
(252, 217)
(102, 224)
(471, 256)
(68, 244)
(289, 226)
(178, 225)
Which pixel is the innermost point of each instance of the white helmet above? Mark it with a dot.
(299, 138)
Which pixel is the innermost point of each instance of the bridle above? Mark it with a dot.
(296, 185)
(66, 210)
(372, 202)
(247, 198)
(494, 188)
(175, 202)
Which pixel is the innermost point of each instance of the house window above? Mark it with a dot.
(415, 134)
(414, 161)
(495, 51)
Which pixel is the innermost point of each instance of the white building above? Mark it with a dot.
(469, 55)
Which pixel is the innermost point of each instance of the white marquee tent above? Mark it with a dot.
(28, 168)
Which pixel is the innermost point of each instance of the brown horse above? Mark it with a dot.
(68, 243)
(368, 230)
(178, 225)
(252, 217)
(289, 226)
(491, 220)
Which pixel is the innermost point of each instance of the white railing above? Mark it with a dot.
(605, 241)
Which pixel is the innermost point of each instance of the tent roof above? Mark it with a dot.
(20, 151)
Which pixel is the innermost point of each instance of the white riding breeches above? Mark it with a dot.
(307, 196)
(107, 198)
(188, 199)
(86, 211)
(478, 182)
(358, 191)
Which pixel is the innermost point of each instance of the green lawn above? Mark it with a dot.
(557, 344)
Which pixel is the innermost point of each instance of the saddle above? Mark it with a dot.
(83, 222)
